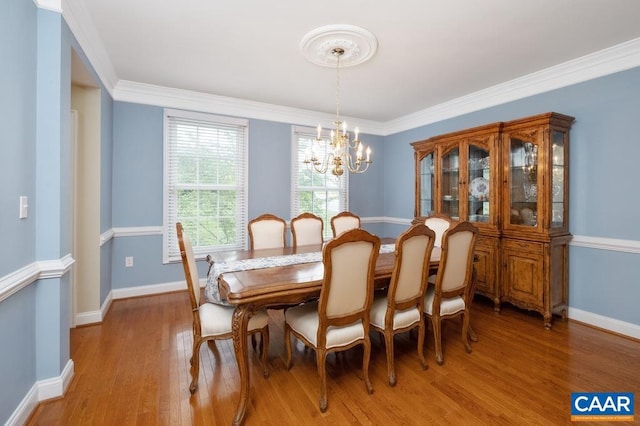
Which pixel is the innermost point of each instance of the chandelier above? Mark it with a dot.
(339, 152)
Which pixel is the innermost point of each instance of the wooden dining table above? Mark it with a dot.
(252, 289)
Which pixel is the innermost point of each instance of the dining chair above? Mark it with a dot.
(267, 231)
(400, 308)
(344, 221)
(339, 320)
(212, 321)
(448, 293)
(439, 224)
(307, 229)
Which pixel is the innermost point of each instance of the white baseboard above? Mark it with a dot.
(91, 317)
(599, 321)
(41, 391)
(94, 317)
(147, 290)
(25, 408)
(605, 323)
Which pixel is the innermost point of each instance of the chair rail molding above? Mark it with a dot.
(133, 231)
(612, 244)
(43, 269)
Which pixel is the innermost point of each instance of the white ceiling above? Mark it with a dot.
(429, 51)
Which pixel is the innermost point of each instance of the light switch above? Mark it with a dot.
(24, 206)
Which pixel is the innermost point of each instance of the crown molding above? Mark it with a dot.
(598, 64)
(607, 61)
(53, 5)
(142, 93)
(614, 59)
(84, 30)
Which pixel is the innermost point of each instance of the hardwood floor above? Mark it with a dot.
(134, 369)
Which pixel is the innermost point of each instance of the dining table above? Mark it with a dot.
(280, 282)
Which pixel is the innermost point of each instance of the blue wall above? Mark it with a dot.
(604, 155)
(35, 83)
(603, 151)
(17, 163)
(17, 109)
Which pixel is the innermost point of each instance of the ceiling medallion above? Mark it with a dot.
(358, 44)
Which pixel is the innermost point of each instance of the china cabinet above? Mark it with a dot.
(535, 229)
(510, 179)
(457, 175)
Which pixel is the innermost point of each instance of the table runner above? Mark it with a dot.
(212, 292)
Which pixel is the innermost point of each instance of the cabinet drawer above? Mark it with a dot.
(520, 245)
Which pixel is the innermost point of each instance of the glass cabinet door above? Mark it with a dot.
(450, 183)
(427, 186)
(478, 183)
(523, 178)
(557, 179)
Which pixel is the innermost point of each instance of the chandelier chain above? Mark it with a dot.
(338, 53)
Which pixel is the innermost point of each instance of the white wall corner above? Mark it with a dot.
(56, 386)
(94, 317)
(106, 236)
(55, 268)
(53, 5)
(86, 318)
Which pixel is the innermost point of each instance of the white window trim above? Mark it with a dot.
(344, 199)
(169, 230)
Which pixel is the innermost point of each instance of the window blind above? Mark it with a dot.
(205, 182)
(321, 194)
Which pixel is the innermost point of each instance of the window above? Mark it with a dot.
(205, 182)
(321, 194)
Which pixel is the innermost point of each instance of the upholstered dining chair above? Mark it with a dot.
(339, 320)
(400, 308)
(344, 221)
(306, 229)
(267, 231)
(212, 321)
(447, 294)
(439, 224)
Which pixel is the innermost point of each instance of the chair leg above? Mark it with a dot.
(195, 357)
(321, 356)
(366, 356)
(472, 334)
(465, 332)
(437, 337)
(264, 351)
(195, 337)
(391, 373)
(421, 333)
(287, 345)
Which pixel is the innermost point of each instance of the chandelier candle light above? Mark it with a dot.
(339, 152)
